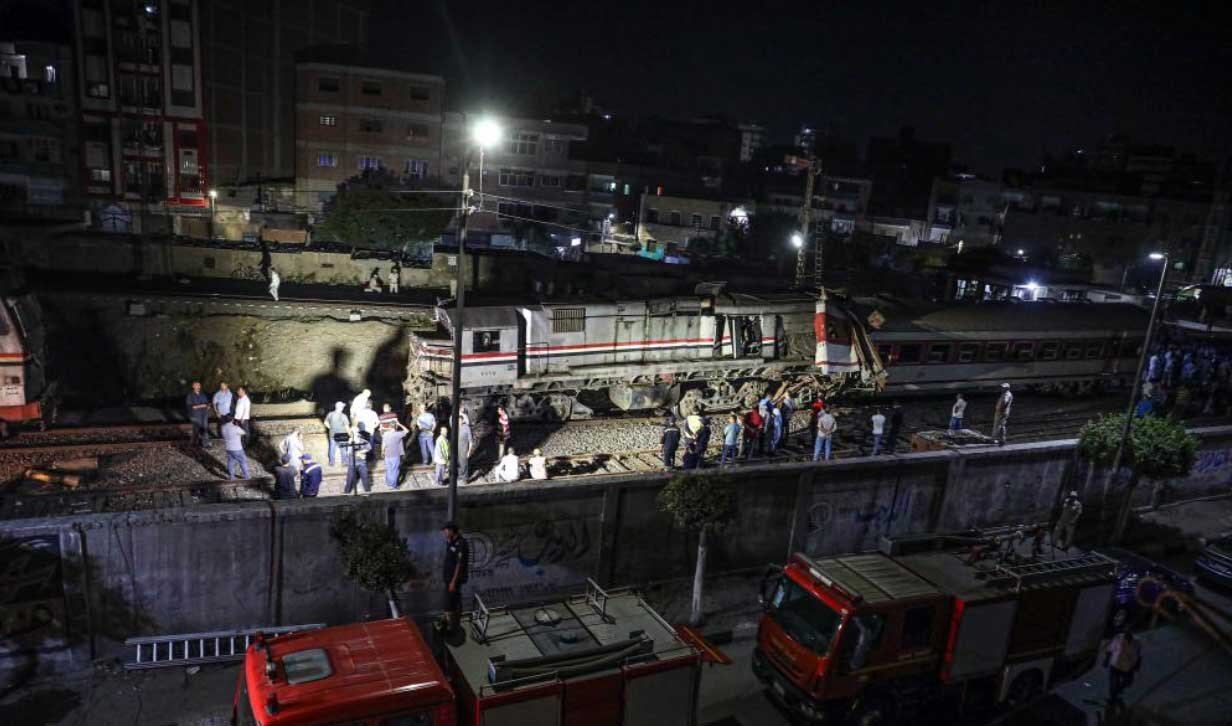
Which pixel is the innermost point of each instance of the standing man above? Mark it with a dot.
(669, 440)
(703, 441)
(243, 410)
(788, 409)
(310, 477)
(426, 423)
(826, 426)
(1071, 510)
(896, 425)
(503, 431)
(775, 427)
(1001, 415)
(1122, 659)
(440, 457)
(222, 401)
(878, 420)
(198, 408)
(284, 479)
(371, 421)
(466, 447)
(275, 282)
(391, 446)
(395, 277)
(361, 448)
(956, 413)
(337, 425)
(752, 431)
(388, 418)
(293, 446)
(359, 403)
(233, 442)
(456, 572)
(731, 439)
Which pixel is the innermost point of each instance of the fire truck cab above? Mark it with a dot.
(973, 621)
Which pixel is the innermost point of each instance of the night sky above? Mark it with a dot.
(1002, 82)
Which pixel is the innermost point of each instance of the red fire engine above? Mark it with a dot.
(966, 620)
(593, 659)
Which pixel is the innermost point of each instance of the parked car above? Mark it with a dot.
(1214, 563)
(1127, 609)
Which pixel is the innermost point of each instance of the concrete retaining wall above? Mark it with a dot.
(74, 587)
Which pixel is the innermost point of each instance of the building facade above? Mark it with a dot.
(140, 97)
(39, 162)
(250, 52)
(352, 119)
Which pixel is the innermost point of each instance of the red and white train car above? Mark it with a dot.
(23, 380)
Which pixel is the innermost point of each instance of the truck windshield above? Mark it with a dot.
(806, 619)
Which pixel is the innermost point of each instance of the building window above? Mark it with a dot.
(549, 181)
(327, 85)
(49, 74)
(652, 215)
(369, 163)
(516, 178)
(555, 147)
(696, 221)
(417, 168)
(100, 175)
(371, 125)
(327, 161)
(329, 121)
(371, 88)
(417, 131)
(420, 93)
(676, 219)
(522, 143)
(714, 221)
(568, 320)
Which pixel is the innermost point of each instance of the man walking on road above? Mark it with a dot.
(1071, 510)
(1001, 415)
(826, 426)
(878, 420)
(198, 409)
(956, 413)
(233, 442)
(1122, 659)
(337, 425)
(670, 440)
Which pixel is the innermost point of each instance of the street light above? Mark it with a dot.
(797, 240)
(213, 195)
(484, 134)
(1122, 519)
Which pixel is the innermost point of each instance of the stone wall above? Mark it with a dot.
(76, 586)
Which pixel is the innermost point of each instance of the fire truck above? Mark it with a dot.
(593, 659)
(962, 621)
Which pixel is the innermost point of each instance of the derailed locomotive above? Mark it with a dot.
(710, 351)
(24, 389)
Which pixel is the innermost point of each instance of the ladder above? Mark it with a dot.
(164, 651)
(1089, 564)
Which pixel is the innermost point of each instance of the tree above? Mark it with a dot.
(373, 554)
(1158, 448)
(697, 504)
(376, 211)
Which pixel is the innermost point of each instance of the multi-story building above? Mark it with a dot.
(140, 98)
(840, 202)
(752, 136)
(671, 220)
(354, 118)
(250, 53)
(967, 210)
(38, 127)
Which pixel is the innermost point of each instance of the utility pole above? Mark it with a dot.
(811, 172)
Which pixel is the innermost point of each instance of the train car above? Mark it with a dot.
(1061, 347)
(564, 359)
(24, 391)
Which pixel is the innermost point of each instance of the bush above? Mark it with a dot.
(1159, 447)
(373, 553)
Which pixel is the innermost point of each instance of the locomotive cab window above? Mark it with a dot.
(909, 353)
(995, 352)
(1024, 351)
(1049, 351)
(485, 341)
(968, 352)
(938, 352)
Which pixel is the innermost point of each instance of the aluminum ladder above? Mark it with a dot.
(164, 651)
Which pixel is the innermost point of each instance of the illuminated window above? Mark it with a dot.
(369, 163)
(329, 121)
(49, 74)
(327, 161)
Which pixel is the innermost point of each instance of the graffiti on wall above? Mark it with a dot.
(825, 516)
(31, 592)
(1213, 461)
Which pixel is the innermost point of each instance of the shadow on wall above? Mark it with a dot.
(387, 371)
(330, 387)
(91, 370)
(37, 626)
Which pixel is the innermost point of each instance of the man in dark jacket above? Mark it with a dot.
(197, 406)
(896, 424)
(703, 441)
(309, 477)
(670, 441)
(284, 479)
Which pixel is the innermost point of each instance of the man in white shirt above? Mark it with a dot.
(956, 413)
(242, 415)
(878, 420)
(359, 403)
(538, 466)
(1001, 416)
(826, 426)
(369, 418)
(508, 469)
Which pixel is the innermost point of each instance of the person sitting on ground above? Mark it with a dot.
(509, 470)
(538, 466)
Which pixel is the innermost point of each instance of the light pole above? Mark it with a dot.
(213, 195)
(484, 134)
(1122, 519)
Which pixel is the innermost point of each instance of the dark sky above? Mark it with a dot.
(1001, 81)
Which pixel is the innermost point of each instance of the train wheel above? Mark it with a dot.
(690, 403)
(558, 407)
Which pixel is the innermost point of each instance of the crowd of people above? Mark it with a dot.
(1186, 378)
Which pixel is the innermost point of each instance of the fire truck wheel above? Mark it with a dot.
(1025, 686)
(873, 712)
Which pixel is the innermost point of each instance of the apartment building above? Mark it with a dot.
(38, 127)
